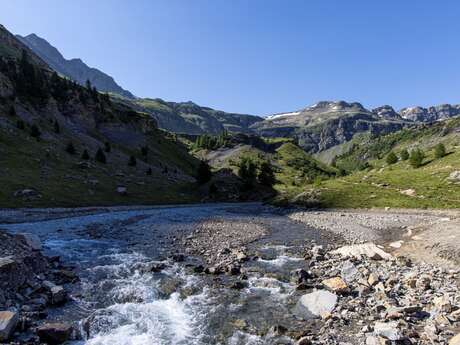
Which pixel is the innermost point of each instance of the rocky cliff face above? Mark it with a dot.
(327, 124)
(430, 114)
(74, 69)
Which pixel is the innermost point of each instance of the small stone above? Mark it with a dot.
(54, 333)
(8, 322)
(372, 279)
(335, 284)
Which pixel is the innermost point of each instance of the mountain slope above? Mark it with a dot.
(74, 69)
(190, 118)
(64, 145)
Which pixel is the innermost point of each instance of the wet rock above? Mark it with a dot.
(316, 304)
(54, 333)
(233, 269)
(31, 240)
(335, 284)
(8, 322)
(238, 285)
(178, 257)
(213, 270)
(389, 330)
(369, 250)
(300, 276)
(198, 269)
(156, 267)
(57, 293)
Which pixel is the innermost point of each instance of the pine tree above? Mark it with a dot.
(70, 149)
(20, 124)
(391, 158)
(85, 155)
(132, 161)
(100, 156)
(149, 171)
(416, 158)
(404, 155)
(204, 173)
(440, 150)
(266, 176)
(247, 171)
(107, 147)
(57, 127)
(144, 150)
(12, 111)
(35, 131)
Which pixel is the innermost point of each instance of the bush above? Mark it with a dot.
(149, 171)
(404, 155)
(416, 158)
(391, 158)
(132, 161)
(20, 124)
(35, 131)
(12, 111)
(440, 150)
(266, 176)
(107, 147)
(85, 155)
(70, 149)
(100, 156)
(204, 173)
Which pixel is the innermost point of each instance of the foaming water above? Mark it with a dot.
(276, 288)
(280, 260)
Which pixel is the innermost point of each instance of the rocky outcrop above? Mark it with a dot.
(430, 114)
(74, 69)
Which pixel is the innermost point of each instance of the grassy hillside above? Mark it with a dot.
(372, 182)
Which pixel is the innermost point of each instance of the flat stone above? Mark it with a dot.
(30, 240)
(367, 249)
(315, 305)
(54, 333)
(8, 322)
(335, 284)
(388, 330)
(349, 272)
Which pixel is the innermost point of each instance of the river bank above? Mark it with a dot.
(239, 274)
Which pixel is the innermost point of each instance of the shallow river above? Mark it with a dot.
(120, 301)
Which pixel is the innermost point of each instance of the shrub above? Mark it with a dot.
(149, 171)
(404, 155)
(144, 150)
(70, 149)
(391, 158)
(20, 124)
(100, 156)
(416, 158)
(35, 131)
(132, 161)
(12, 111)
(204, 173)
(440, 150)
(85, 155)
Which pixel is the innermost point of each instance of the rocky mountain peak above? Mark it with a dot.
(386, 112)
(327, 106)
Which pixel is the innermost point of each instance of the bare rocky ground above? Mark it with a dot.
(373, 281)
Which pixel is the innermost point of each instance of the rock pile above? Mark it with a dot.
(29, 284)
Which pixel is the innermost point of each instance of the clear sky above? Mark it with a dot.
(259, 56)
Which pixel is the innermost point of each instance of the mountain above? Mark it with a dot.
(185, 117)
(62, 144)
(327, 124)
(190, 118)
(74, 69)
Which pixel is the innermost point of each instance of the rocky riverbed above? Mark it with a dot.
(224, 274)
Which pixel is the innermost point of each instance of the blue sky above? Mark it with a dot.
(259, 56)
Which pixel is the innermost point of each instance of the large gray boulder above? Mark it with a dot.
(315, 305)
(30, 240)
